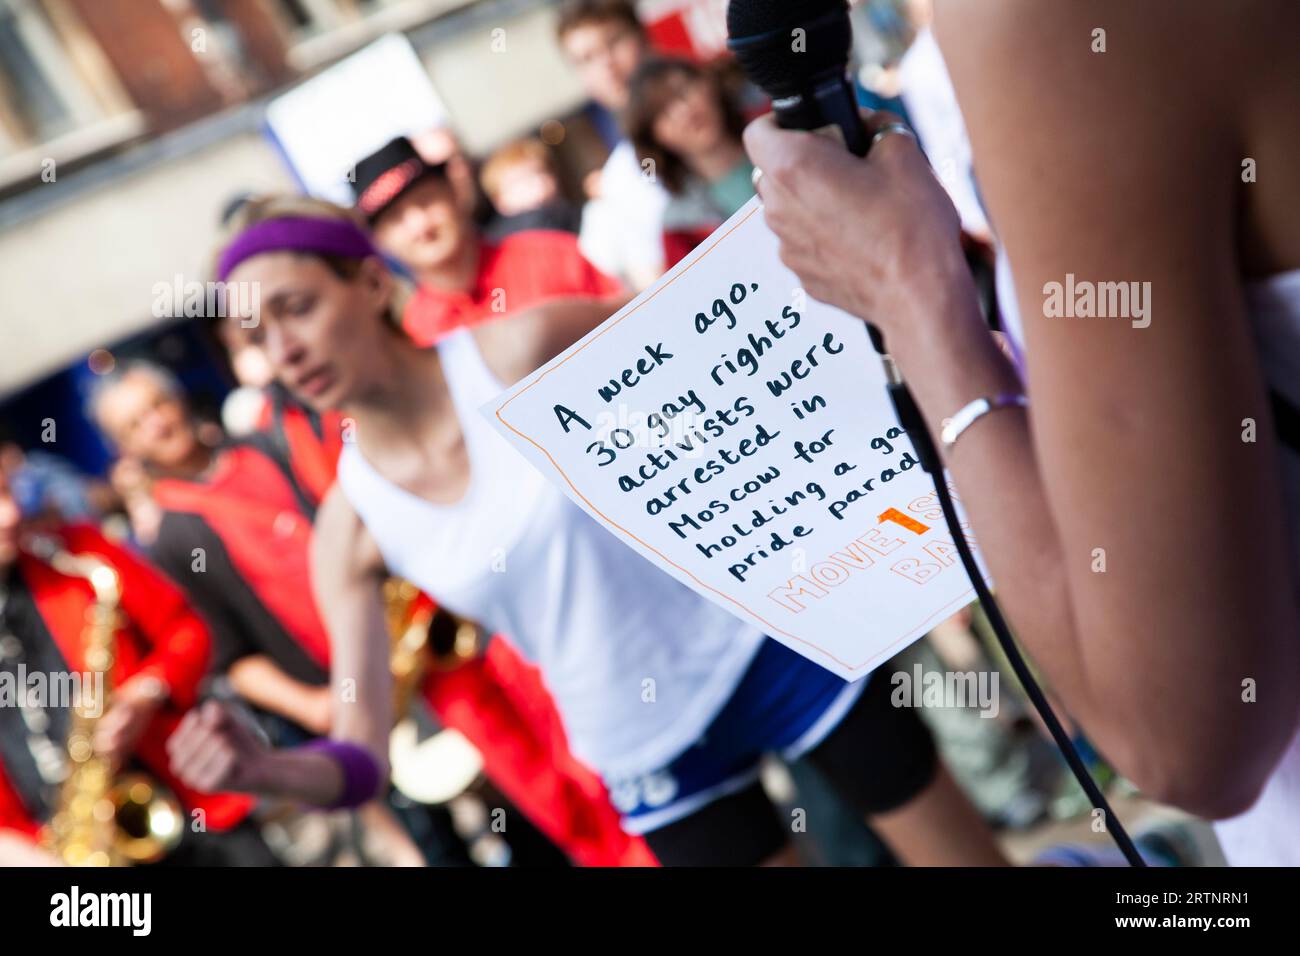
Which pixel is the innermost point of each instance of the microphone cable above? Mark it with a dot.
(913, 423)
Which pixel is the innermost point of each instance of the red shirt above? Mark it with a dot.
(524, 270)
(250, 505)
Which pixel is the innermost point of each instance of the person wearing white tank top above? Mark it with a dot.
(1142, 519)
(542, 572)
(674, 701)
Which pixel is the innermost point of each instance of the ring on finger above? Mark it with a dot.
(889, 128)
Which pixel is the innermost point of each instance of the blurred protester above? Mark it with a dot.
(155, 438)
(235, 534)
(438, 146)
(621, 232)
(232, 534)
(1152, 433)
(498, 700)
(248, 511)
(462, 279)
(521, 182)
(233, 496)
(464, 517)
(160, 654)
(45, 484)
(686, 129)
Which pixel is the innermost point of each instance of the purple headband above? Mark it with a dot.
(331, 237)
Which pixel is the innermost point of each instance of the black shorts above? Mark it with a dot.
(877, 759)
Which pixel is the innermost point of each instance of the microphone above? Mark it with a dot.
(799, 55)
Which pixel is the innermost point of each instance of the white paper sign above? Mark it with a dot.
(737, 433)
(324, 125)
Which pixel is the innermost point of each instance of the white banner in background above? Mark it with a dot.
(343, 114)
(738, 435)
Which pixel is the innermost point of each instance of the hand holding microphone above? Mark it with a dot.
(868, 236)
(877, 237)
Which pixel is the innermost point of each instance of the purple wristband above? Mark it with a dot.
(361, 777)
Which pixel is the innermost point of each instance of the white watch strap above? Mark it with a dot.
(976, 410)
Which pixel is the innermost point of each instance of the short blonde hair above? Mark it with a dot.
(513, 154)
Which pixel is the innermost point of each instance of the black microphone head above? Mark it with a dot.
(761, 35)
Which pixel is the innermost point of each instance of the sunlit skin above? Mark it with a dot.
(321, 334)
(430, 231)
(1134, 447)
(10, 522)
(525, 186)
(151, 426)
(605, 56)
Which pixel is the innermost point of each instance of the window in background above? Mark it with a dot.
(54, 80)
(321, 31)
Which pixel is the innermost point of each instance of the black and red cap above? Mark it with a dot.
(384, 175)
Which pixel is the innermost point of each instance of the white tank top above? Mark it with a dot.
(638, 664)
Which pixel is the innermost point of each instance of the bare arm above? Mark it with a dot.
(258, 680)
(347, 577)
(517, 346)
(1118, 175)
(212, 750)
(1134, 447)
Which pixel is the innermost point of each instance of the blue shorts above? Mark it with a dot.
(784, 704)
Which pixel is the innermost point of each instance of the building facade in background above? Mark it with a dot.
(127, 125)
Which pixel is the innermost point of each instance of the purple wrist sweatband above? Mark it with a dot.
(361, 778)
(331, 237)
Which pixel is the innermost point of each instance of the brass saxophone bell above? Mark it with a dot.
(147, 819)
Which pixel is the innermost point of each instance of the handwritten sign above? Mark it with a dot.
(737, 434)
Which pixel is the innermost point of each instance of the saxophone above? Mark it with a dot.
(102, 819)
(422, 639)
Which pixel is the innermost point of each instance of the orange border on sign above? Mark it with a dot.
(772, 628)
